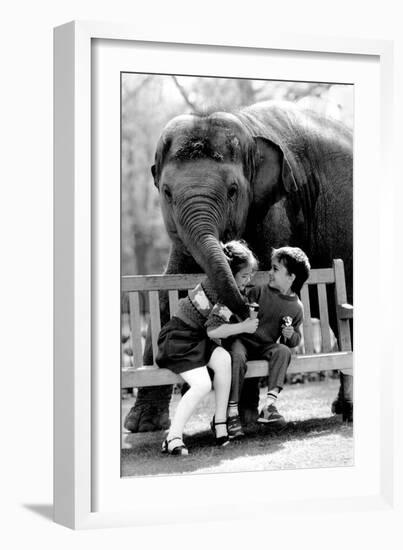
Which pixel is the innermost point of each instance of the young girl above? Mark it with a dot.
(221, 324)
(184, 348)
(280, 317)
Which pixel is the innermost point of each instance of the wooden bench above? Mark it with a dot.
(308, 361)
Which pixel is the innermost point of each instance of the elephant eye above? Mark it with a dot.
(167, 194)
(233, 191)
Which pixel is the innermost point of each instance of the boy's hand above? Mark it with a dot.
(287, 332)
(250, 325)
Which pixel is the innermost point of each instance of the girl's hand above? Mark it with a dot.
(287, 332)
(250, 325)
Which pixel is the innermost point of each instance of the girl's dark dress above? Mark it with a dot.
(183, 343)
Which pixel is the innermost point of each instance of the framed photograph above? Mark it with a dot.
(117, 91)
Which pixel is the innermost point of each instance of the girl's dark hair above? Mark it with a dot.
(296, 262)
(239, 256)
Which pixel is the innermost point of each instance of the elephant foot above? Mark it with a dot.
(248, 416)
(348, 412)
(337, 406)
(147, 418)
(343, 404)
(150, 411)
(343, 407)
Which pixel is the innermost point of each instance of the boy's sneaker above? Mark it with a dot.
(271, 415)
(234, 427)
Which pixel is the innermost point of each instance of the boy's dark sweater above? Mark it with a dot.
(273, 307)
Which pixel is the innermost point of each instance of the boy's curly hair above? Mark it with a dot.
(239, 255)
(296, 262)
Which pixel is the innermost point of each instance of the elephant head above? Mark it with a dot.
(207, 169)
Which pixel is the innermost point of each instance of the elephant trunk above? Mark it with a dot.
(200, 229)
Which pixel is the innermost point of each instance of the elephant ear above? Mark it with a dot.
(154, 174)
(163, 146)
(274, 177)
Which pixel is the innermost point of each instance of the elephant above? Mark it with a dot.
(272, 174)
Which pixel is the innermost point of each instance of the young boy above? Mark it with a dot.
(280, 317)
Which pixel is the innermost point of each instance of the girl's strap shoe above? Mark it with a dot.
(220, 441)
(174, 446)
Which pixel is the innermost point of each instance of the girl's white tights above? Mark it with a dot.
(199, 386)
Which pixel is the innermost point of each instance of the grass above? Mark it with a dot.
(313, 438)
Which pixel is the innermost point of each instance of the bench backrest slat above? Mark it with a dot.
(161, 282)
(341, 298)
(306, 324)
(323, 275)
(156, 320)
(324, 318)
(181, 282)
(173, 301)
(135, 326)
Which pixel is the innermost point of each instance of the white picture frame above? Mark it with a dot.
(88, 490)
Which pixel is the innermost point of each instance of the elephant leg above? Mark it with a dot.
(343, 404)
(249, 401)
(151, 408)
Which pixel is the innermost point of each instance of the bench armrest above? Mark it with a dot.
(345, 311)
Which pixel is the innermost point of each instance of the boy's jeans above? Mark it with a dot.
(246, 392)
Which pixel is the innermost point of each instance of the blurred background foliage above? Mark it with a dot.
(149, 102)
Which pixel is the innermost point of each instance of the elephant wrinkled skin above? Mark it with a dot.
(272, 174)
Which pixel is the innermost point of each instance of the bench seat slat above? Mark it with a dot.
(153, 376)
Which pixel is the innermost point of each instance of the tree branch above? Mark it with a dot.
(184, 94)
(131, 94)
